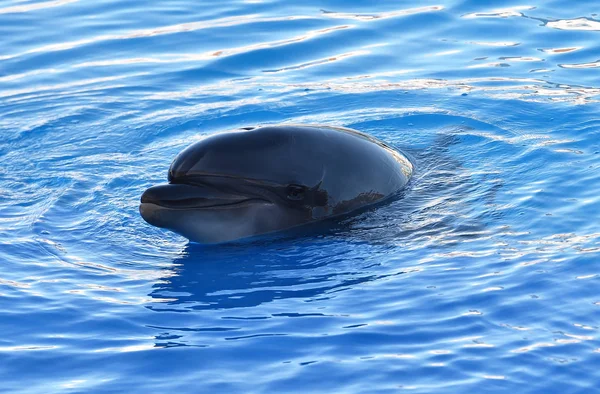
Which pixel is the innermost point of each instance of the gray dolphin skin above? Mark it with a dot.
(260, 180)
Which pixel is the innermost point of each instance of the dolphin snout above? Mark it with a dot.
(168, 194)
(186, 197)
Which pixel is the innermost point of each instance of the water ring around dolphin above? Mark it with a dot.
(262, 180)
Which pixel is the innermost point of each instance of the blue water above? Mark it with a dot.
(483, 278)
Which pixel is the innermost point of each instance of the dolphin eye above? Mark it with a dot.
(295, 192)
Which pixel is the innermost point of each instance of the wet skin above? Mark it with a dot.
(258, 181)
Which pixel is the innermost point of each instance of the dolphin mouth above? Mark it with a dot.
(187, 197)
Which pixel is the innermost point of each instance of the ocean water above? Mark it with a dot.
(483, 278)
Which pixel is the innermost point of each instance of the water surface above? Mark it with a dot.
(482, 278)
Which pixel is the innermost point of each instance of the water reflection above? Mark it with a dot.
(248, 275)
(502, 13)
(17, 9)
(581, 65)
(575, 24)
(382, 15)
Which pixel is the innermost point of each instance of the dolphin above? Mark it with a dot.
(258, 181)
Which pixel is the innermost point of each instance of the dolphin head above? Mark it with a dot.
(238, 185)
